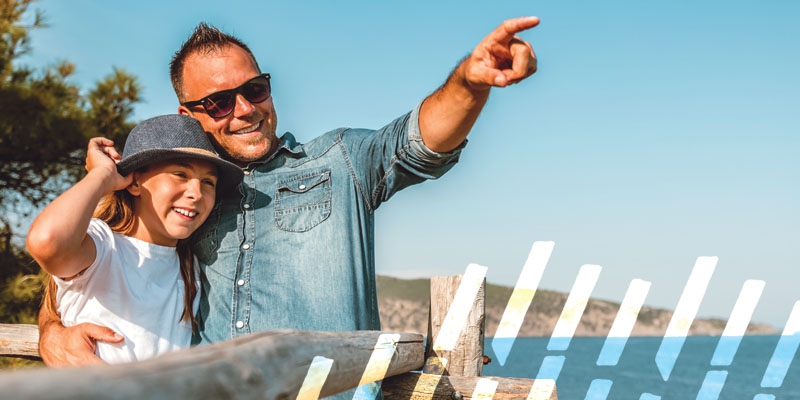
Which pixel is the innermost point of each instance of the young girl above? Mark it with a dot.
(116, 242)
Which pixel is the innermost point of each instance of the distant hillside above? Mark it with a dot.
(404, 305)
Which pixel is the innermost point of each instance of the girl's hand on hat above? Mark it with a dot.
(102, 157)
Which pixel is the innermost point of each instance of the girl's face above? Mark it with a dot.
(172, 199)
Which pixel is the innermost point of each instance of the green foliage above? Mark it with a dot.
(21, 291)
(111, 103)
(45, 122)
(45, 125)
(13, 363)
(22, 296)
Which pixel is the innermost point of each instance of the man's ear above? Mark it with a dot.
(183, 110)
(134, 188)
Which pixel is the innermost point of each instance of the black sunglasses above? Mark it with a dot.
(222, 103)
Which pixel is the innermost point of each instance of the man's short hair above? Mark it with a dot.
(205, 39)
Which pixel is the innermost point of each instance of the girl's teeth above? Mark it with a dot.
(185, 212)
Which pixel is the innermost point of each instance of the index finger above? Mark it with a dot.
(104, 145)
(511, 27)
(112, 152)
(98, 142)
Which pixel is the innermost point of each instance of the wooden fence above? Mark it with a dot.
(275, 365)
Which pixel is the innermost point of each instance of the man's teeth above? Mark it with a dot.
(187, 213)
(249, 129)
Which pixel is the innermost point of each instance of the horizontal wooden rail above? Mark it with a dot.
(264, 365)
(274, 365)
(20, 340)
(437, 387)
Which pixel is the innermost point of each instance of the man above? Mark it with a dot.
(293, 248)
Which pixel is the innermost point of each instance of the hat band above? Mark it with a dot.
(197, 151)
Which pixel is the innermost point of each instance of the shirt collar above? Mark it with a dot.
(288, 143)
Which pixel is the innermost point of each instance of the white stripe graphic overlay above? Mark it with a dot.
(456, 316)
(712, 385)
(542, 389)
(785, 351)
(545, 381)
(623, 323)
(520, 299)
(315, 378)
(598, 389)
(737, 323)
(573, 309)
(684, 315)
(377, 365)
(649, 396)
(484, 389)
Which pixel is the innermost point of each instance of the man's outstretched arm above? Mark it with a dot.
(61, 347)
(499, 60)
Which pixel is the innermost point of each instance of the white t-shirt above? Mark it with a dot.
(132, 287)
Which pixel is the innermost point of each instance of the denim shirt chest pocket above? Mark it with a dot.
(303, 200)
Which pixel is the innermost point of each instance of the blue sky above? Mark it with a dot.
(653, 133)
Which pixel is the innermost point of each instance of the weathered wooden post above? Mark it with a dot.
(459, 378)
(466, 358)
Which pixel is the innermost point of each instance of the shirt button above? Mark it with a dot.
(239, 324)
(302, 187)
(247, 206)
(245, 246)
(240, 282)
(246, 172)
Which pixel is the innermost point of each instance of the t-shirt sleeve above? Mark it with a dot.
(103, 238)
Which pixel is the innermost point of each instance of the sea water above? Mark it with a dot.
(636, 373)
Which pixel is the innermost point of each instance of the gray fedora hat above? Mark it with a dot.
(173, 136)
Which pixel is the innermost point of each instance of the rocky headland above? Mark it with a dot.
(404, 305)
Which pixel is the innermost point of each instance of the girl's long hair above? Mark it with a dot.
(116, 210)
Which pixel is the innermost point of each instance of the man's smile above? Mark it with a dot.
(249, 129)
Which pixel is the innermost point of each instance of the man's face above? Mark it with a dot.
(246, 134)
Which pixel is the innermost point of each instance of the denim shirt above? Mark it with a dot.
(293, 246)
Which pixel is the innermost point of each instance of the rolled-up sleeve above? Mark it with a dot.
(394, 157)
(421, 153)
